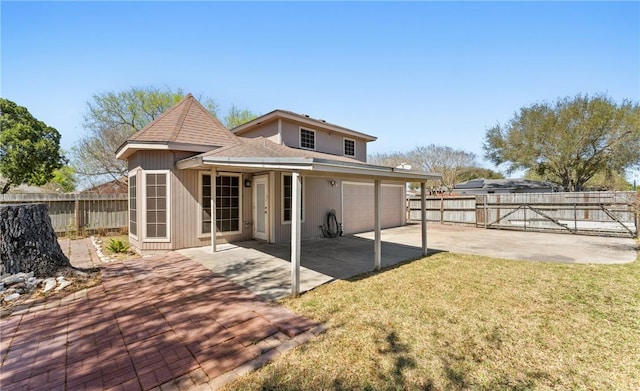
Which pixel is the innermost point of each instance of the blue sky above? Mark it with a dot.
(411, 73)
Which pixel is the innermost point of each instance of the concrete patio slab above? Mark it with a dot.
(265, 268)
(257, 266)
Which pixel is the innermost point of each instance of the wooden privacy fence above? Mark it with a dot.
(590, 213)
(79, 212)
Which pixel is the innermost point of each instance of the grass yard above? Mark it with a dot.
(451, 322)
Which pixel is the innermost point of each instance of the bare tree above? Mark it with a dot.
(449, 162)
(444, 160)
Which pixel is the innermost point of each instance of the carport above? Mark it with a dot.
(299, 167)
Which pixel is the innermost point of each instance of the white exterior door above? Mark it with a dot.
(261, 207)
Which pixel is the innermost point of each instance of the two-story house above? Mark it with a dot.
(191, 179)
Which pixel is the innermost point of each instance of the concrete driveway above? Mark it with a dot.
(518, 245)
(265, 268)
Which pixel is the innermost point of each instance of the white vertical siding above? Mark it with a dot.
(358, 204)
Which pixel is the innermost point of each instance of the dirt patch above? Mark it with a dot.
(79, 279)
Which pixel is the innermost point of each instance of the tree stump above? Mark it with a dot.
(28, 242)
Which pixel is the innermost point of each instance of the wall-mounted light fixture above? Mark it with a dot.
(333, 183)
(247, 183)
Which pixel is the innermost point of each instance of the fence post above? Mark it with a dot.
(486, 211)
(76, 213)
(441, 209)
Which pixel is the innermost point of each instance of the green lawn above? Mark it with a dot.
(451, 321)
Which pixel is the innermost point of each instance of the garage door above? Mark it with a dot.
(357, 207)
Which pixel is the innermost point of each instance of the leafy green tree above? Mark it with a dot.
(29, 149)
(469, 173)
(601, 181)
(236, 117)
(569, 141)
(63, 180)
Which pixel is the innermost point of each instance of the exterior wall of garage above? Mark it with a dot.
(358, 206)
(354, 208)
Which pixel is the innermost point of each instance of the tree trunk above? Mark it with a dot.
(28, 242)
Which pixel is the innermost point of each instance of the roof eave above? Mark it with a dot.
(309, 164)
(276, 114)
(131, 146)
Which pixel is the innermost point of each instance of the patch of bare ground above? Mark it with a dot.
(79, 279)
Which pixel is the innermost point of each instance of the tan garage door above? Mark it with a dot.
(357, 207)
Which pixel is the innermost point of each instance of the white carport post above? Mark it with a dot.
(423, 217)
(296, 201)
(377, 249)
(214, 227)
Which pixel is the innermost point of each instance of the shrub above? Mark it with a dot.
(117, 246)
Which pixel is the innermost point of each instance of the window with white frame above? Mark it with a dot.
(349, 147)
(133, 208)
(287, 199)
(156, 199)
(228, 203)
(307, 139)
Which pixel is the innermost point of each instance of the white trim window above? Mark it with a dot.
(156, 205)
(349, 147)
(228, 203)
(307, 139)
(286, 200)
(133, 205)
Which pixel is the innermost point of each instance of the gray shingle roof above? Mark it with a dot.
(518, 183)
(187, 122)
(262, 147)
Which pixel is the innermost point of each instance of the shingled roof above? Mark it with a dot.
(186, 123)
(263, 147)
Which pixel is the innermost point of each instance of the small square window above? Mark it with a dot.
(307, 139)
(349, 147)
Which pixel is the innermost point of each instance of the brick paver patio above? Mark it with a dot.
(164, 322)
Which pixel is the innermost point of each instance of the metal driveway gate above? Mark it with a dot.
(592, 213)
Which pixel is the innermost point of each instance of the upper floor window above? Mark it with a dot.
(349, 147)
(307, 139)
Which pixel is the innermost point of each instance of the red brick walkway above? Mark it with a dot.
(162, 321)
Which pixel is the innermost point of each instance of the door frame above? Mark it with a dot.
(264, 179)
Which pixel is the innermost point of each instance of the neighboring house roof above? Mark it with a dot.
(116, 186)
(504, 184)
(304, 119)
(185, 126)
